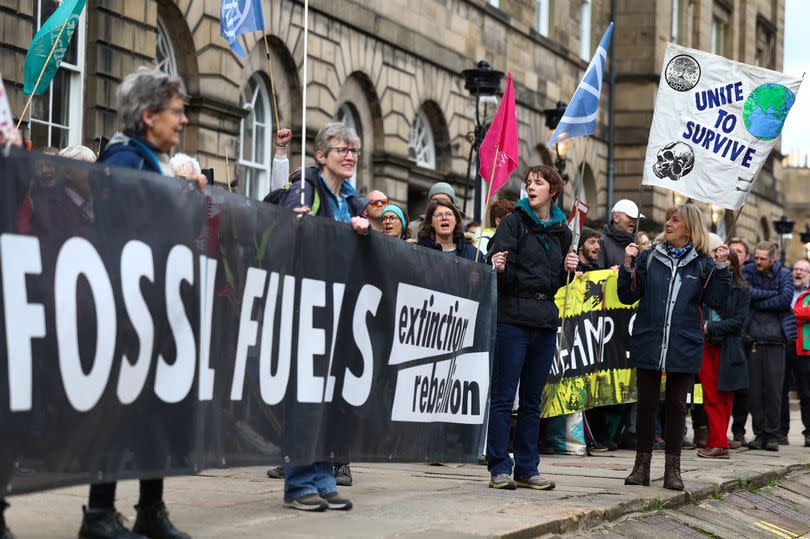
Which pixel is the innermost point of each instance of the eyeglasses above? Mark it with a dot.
(343, 150)
(379, 203)
(178, 112)
(389, 218)
(801, 270)
(443, 215)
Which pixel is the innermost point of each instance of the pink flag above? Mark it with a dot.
(499, 149)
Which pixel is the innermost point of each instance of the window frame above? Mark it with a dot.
(542, 11)
(425, 135)
(250, 187)
(585, 29)
(347, 111)
(165, 37)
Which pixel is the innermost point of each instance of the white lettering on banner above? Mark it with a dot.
(449, 391)
(311, 341)
(205, 383)
(429, 323)
(356, 389)
(78, 258)
(136, 263)
(248, 327)
(19, 256)
(274, 387)
(173, 381)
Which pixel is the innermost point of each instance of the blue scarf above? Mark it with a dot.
(676, 252)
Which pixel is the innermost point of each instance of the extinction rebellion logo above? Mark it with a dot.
(451, 386)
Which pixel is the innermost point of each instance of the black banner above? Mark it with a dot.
(148, 329)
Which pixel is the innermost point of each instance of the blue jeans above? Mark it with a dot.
(316, 478)
(524, 354)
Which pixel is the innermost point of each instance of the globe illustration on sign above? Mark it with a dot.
(765, 110)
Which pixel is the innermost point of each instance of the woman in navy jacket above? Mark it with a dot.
(671, 281)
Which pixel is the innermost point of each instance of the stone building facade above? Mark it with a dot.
(392, 68)
(797, 209)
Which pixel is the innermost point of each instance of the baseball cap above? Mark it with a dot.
(627, 207)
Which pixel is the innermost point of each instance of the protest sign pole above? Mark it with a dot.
(42, 72)
(272, 82)
(489, 193)
(304, 105)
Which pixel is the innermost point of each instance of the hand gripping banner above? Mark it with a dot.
(148, 329)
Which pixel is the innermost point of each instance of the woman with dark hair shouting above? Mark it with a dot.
(530, 252)
(671, 281)
(442, 230)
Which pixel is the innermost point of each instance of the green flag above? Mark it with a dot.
(66, 15)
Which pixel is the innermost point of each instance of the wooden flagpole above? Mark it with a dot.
(272, 83)
(304, 105)
(489, 193)
(41, 73)
(228, 170)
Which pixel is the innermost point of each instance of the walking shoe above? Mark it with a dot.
(343, 475)
(535, 482)
(502, 481)
(105, 525)
(310, 502)
(153, 522)
(740, 437)
(733, 443)
(686, 444)
(611, 445)
(772, 444)
(783, 440)
(713, 453)
(598, 447)
(658, 444)
(334, 501)
(276, 473)
(807, 440)
(757, 443)
(701, 435)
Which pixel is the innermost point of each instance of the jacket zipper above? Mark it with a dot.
(668, 318)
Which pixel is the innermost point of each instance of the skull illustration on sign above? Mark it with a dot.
(675, 160)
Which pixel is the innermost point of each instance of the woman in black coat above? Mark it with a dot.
(670, 281)
(442, 230)
(724, 367)
(530, 252)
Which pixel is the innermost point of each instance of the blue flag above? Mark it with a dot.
(237, 17)
(580, 116)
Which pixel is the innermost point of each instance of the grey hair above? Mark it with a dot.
(335, 130)
(181, 160)
(79, 153)
(145, 89)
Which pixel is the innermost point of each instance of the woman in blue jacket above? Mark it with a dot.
(671, 281)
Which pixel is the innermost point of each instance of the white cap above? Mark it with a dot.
(715, 241)
(627, 207)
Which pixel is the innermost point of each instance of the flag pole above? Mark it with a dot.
(41, 73)
(272, 83)
(304, 105)
(489, 193)
(227, 170)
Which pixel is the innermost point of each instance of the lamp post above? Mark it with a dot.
(805, 237)
(553, 117)
(483, 83)
(784, 227)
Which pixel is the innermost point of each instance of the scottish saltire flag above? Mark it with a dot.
(237, 17)
(580, 116)
(40, 65)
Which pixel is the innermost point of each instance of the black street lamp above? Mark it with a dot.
(784, 227)
(481, 82)
(553, 117)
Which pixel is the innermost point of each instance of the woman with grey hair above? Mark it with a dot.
(152, 114)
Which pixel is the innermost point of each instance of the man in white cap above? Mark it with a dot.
(618, 233)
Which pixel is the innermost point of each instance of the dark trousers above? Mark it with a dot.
(521, 354)
(102, 495)
(798, 369)
(766, 371)
(648, 386)
(739, 412)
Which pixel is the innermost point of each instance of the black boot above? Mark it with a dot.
(672, 472)
(105, 524)
(343, 475)
(641, 470)
(153, 521)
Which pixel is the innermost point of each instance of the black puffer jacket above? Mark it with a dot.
(534, 266)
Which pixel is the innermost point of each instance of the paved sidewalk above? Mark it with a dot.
(417, 500)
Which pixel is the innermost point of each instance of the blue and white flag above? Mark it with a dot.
(237, 17)
(580, 116)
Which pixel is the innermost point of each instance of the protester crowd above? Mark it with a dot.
(708, 311)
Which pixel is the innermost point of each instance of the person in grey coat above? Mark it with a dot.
(725, 368)
(671, 282)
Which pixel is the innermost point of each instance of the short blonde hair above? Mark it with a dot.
(79, 153)
(693, 217)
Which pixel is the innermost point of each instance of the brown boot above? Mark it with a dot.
(641, 471)
(672, 472)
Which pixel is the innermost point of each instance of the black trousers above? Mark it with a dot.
(648, 385)
(102, 495)
(766, 371)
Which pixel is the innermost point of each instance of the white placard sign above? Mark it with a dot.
(715, 123)
(6, 119)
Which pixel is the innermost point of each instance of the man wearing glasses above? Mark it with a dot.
(797, 367)
(376, 202)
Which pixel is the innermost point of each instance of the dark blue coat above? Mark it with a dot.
(668, 325)
(727, 333)
(776, 296)
(315, 195)
(463, 249)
